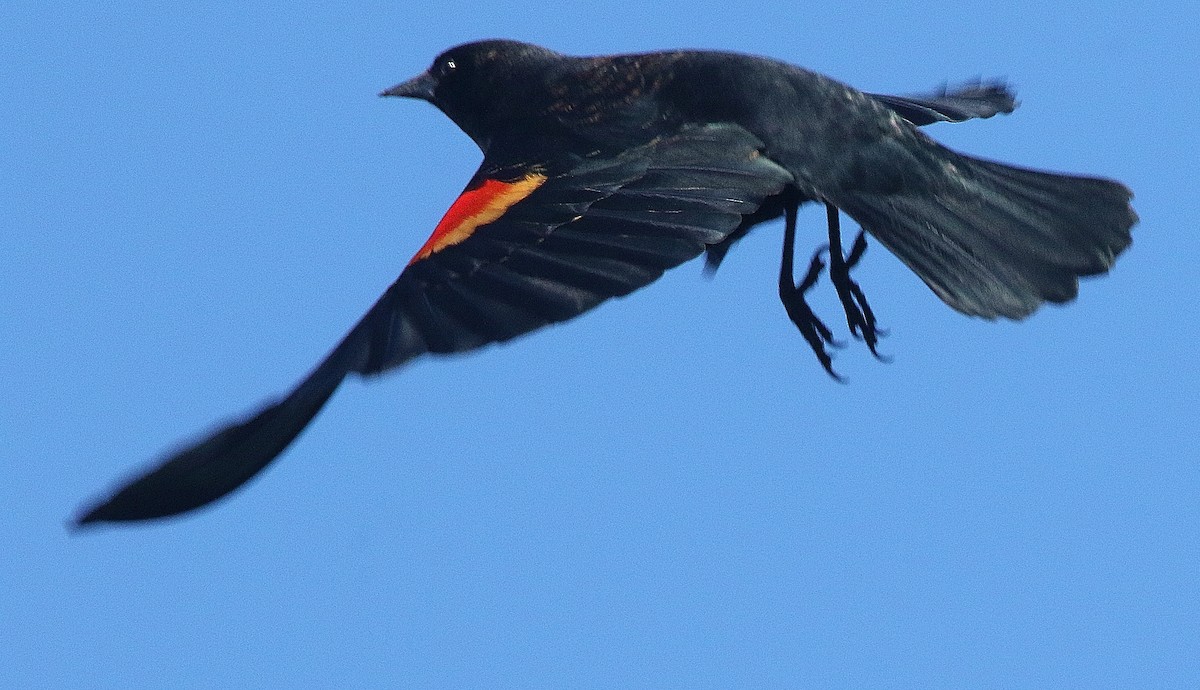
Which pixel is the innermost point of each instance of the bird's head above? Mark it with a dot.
(471, 83)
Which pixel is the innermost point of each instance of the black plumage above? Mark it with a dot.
(601, 173)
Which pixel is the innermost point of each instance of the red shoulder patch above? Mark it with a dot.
(477, 206)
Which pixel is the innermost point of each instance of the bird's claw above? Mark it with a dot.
(814, 331)
(859, 316)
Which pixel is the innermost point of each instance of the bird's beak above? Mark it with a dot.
(420, 86)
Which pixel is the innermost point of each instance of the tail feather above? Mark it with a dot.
(1080, 223)
(993, 240)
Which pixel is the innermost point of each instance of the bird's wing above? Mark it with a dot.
(528, 243)
(967, 102)
(562, 243)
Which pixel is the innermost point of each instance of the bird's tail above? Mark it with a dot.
(995, 240)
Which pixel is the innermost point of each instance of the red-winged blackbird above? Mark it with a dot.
(600, 173)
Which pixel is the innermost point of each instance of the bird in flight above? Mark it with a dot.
(599, 173)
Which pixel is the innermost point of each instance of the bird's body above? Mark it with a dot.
(599, 173)
(813, 126)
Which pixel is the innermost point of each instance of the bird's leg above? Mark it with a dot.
(859, 316)
(816, 333)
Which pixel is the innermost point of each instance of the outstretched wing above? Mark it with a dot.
(604, 228)
(526, 244)
(967, 102)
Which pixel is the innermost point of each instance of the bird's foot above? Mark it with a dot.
(859, 316)
(815, 332)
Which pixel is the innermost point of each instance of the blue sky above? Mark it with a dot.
(197, 201)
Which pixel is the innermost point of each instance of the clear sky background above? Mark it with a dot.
(197, 201)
